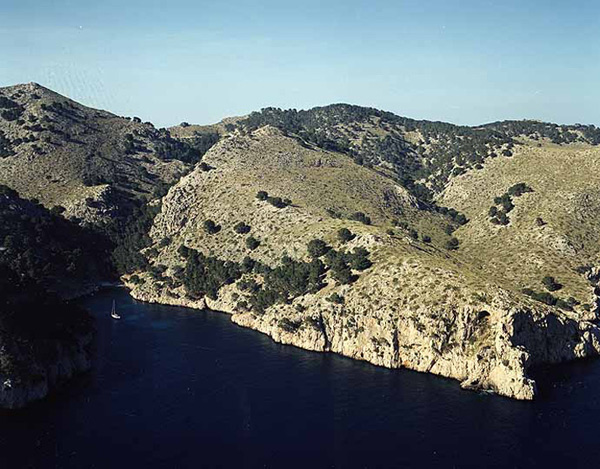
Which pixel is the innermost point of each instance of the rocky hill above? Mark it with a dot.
(92, 163)
(309, 246)
(468, 252)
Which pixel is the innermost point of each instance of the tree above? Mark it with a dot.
(211, 227)
(452, 244)
(241, 228)
(317, 248)
(278, 202)
(345, 235)
(461, 219)
(342, 273)
(426, 239)
(335, 298)
(262, 195)
(252, 243)
(361, 217)
(359, 259)
(550, 283)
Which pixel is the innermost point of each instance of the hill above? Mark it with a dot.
(468, 252)
(257, 232)
(88, 161)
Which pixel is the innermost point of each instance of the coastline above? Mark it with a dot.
(521, 340)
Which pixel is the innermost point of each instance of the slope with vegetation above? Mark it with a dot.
(469, 252)
(356, 262)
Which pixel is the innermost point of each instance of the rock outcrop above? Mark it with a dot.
(45, 374)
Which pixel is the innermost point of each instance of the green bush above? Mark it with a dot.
(361, 217)
(336, 298)
(452, 244)
(211, 227)
(278, 202)
(252, 243)
(241, 228)
(317, 248)
(345, 235)
(550, 283)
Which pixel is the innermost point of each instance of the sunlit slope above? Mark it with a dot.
(552, 231)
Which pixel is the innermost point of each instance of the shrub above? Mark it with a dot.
(289, 325)
(252, 243)
(359, 259)
(550, 283)
(452, 244)
(317, 248)
(278, 202)
(164, 242)
(241, 228)
(248, 264)
(426, 239)
(518, 189)
(211, 227)
(262, 195)
(461, 219)
(335, 298)
(342, 273)
(493, 211)
(361, 217)
(183, 251)
(345, 235)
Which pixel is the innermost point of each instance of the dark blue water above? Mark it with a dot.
(177, 388)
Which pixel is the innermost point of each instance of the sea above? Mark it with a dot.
(178, 388)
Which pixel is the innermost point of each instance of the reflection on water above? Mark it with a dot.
(182, 388)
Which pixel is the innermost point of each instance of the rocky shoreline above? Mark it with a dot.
(519, 340)
(72, 359)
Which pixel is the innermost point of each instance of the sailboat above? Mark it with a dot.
(113, 313)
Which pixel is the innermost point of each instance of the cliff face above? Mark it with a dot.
(44, 341)
(43, 375)
(490, 350)
(419, 306)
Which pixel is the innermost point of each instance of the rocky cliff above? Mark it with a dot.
(45, 374)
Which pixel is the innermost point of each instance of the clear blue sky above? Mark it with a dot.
(467, 62)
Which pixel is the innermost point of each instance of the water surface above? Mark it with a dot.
(179, 388)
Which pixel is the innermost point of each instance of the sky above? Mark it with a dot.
(466, 62)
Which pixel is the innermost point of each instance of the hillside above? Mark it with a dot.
(422, 155)
(430, 295)
(44, 340)
(94, 164)
(468, 252)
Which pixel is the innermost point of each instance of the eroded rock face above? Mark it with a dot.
(483, 350)
(44, 377)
